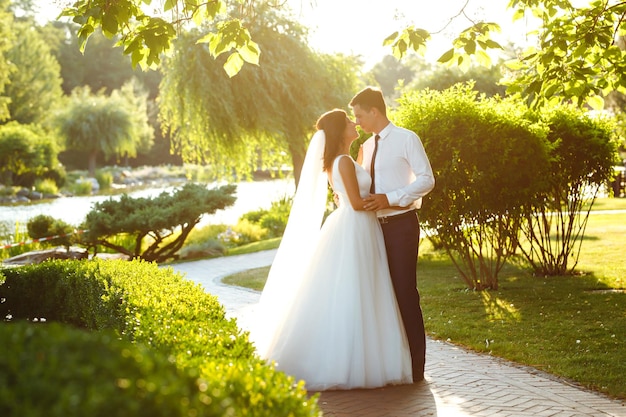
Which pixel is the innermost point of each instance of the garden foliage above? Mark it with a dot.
(488, 162)
(44, 226)
(158, 225)
(274, 219)
(26, 154)
(583, 152)
(136, 339)
(502, 172)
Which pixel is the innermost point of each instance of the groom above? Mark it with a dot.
(401, 176)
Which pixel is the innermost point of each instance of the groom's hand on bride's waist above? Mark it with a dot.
(375, 202)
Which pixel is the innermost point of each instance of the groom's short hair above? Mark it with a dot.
(370, 97)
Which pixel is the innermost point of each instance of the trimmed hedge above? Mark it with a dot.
(151, 309)
(52, 370)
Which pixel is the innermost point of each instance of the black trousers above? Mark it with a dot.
(401, 241)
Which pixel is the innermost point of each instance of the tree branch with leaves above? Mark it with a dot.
(147, 32)
(577, 57)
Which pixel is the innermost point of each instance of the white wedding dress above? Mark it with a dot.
(338, 326)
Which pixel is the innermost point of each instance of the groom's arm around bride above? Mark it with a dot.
(401, 176)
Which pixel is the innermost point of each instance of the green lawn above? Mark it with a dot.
(570, 326)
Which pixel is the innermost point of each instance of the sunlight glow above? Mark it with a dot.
(354, 27)
(498, 309)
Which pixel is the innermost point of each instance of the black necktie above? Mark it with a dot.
(373, 187)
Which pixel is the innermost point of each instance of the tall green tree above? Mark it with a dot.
(102, 65)
(100, 124)
(261, 118)
(34, 87)
(6, 67)
(26, 153)
(135, 98)
(390, 71)
(485, 80)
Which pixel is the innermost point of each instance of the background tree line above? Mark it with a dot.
(249, 120)
(262, 117)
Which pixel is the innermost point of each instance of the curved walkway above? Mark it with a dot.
(457, 383)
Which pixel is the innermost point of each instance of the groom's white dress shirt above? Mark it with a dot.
(403, 172)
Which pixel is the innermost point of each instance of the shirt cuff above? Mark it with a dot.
(393, 198)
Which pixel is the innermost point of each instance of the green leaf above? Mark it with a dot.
(400, 48)
(613, 53)
(534, 87)
(551, 89)
(219, 46)
(470, 47)
(250, 53)
(417, 41)
(213, 8)
(109, 25)
(208, 38)
(547, 58)
(131, 47)
(137, 57)
(574, 89)
(464, 64)
(233, 64)
(169, 5)
(389, 40)
(519, 14)
(483, 58)
(595, 102)
(514, 64)
(447, 56)
(493, 44)
(199, 15)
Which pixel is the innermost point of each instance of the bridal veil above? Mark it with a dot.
(298, 242)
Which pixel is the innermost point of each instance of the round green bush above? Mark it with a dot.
(42, 226)
(105, 179)
(46, 186)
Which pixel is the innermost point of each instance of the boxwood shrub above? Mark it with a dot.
(119, 304)
(53, 370)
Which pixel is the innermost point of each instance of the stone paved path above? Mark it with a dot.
(458, 383)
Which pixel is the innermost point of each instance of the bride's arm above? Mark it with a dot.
(348, 175)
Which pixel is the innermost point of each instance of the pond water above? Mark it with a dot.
(251, 196)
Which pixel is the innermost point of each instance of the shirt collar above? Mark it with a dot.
(386, 130)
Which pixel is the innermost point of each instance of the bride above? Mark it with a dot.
(328, 314)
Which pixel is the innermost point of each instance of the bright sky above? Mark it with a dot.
(351, 26)
(358, 27)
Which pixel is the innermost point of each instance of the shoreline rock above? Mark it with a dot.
(59, 252)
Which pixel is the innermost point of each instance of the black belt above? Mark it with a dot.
(389, 219)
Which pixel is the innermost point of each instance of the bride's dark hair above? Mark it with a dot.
(333, 123)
